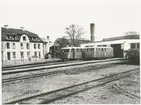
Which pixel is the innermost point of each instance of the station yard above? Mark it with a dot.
(79, 74)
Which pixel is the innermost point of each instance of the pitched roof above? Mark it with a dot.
(121, 37)
(81, 41)
(11, 34)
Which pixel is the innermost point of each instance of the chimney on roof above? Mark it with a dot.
(48, 38)
(6, 26)
(92, 27)
(22, 28)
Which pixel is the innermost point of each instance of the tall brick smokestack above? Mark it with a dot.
(92, 26)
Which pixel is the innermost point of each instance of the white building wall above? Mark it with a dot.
(46, 47)
(33, 50)
(17, 49)
(11, 50)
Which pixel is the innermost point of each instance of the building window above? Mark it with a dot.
(8, 56)
(28, 54)
(16, 38)
(10, 37)
(24, 38)
(22, 54)
(27, 45)
(38, 46)
(34, 46)
(21, 45)
(132, 45)
(32, 38)
(8, 45)
(35, 39)
(39, 55)
(14, 46)
(14, 54)
(35, 54)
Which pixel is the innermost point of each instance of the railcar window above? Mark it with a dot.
(72, 50)
(91, 49)
(105, 49)
(132, 45)
(77, 50)
(138, 45)
(104, 45)
(98, 45)
(66, 50)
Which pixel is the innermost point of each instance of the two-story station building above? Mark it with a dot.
(20, 44)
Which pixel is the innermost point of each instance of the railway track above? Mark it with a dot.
(35, 65)
(29, 64)
(12, 71)
(48, 97)
(124, 92)
(48, 72)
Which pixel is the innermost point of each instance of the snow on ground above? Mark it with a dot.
(67, 78)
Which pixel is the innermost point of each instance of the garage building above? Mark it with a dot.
(120, 44)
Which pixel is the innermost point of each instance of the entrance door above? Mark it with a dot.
(118, 52)
(8, 55)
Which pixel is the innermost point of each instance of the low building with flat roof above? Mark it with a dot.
(120, 44)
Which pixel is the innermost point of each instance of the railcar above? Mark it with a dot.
(85, 53)
(134, 53)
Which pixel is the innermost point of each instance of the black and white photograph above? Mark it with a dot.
(70, 52)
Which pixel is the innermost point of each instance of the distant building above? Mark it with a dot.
(20, 44)
(120, 44)
(78, 42)
(46, 45)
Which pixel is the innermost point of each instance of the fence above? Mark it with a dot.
(23, 61)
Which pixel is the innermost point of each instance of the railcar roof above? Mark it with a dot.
(83, 47)
(73, 47)
(98, 47)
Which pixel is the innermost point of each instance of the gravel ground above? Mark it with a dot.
(109, 94)
(67, 78)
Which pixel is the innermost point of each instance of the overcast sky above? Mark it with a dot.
(50, 17)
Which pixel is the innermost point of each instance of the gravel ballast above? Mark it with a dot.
(59, 80)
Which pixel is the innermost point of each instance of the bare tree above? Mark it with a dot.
(74, 32)
(131, 33)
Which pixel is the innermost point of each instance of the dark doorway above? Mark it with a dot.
(118, 52)
(8, 55)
